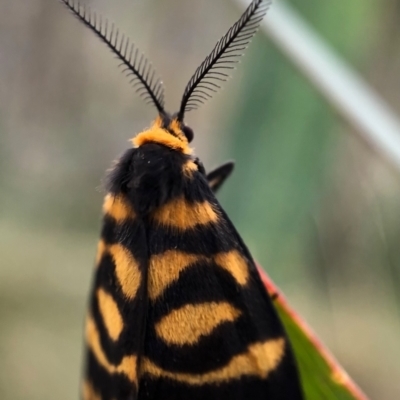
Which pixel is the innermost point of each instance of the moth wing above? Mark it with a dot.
(116, 319)
(217, 176)
(212, 331)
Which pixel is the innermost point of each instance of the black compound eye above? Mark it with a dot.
(188, 133)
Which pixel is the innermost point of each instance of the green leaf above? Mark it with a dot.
(321, 375)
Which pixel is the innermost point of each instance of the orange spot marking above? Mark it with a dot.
(128, 365)
(259, 360)
(181, 214)
(164, 269)
(235, 264)
(110, 313)
(88, 392)
(101, 249)
(189, 168)
(126, 269)
(186, 325)
(117, 207)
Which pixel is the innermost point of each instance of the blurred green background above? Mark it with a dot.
(318, 209)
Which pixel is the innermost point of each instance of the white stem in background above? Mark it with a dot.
(336, 80)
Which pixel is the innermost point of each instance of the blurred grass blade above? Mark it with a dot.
(334, 79)
(322, 376)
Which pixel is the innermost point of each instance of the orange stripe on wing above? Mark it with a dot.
(235, 264)
(186, 325)
(259, 360)
(88, 392)
(164, 269)
(126, 269)
(181, 214)
(101, 249)
(117, 207)
(110, 313)
(128, 365)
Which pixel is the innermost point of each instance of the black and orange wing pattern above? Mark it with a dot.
(177, 309)
(117, 311)
(212, 331)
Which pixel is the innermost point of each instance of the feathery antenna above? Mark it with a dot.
(150, 88)
(207, 77)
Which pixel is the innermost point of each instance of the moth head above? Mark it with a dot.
(168, 131)
(206, 80)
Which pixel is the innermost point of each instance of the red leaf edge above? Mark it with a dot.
(339, 375)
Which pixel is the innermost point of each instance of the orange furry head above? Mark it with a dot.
(167, 132)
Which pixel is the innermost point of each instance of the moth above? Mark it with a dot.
(177, 309)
